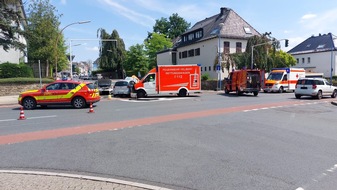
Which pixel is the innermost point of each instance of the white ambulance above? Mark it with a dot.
(283, 79)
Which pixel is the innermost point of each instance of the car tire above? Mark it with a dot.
(140, 94)
(319, 95)
(182, 93)
(334, 94)
(226, 91)
(280, 90)
(255, 93)
(297, 96)
(29, 103)
(78, 102)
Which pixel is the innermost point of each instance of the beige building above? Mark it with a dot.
(225, 32)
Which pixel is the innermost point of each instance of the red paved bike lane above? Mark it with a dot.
(56, 133)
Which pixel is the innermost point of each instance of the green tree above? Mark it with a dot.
(172, 27)
(267, 55)
(136, 60)
(43, 23)
(112, 53)
(156, 43)
(283, 59)
(10, 30)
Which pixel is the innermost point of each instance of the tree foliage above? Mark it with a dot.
(266, 56)
(136, 61)
(46, 42)
(154, 44)
(112, 53)
(171, 27)
(10, 30)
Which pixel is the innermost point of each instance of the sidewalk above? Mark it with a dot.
(22, 180)
(9, 100)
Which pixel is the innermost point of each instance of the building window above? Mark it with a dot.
(298, 61)
(303, 61)
(226, 47)
(184, 39)
(197, 51)
(201, 68)
(247, 30)
(184, 54)
(238, 47)
(205, 68)
(191, 36)
(174, 58)
(214, 68)
(191, 53)
(308, 60)
(209, 68)
(179, 55)
(198, 34)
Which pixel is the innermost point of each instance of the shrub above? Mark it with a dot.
(205, 77)
(11, 70)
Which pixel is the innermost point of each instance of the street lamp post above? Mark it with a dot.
(58, 37)
(71, 58)
(219, 54)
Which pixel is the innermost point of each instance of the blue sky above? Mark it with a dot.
(295, 20)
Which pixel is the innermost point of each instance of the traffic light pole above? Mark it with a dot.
(252, 56)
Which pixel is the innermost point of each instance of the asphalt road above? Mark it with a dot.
(208, 141)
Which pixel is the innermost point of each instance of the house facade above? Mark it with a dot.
(14, 55)
(209, 39)
(317, 54)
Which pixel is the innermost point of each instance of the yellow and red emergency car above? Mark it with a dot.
(75, 93)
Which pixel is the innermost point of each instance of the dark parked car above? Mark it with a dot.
(104, 86)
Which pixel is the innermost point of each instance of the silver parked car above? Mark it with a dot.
(315, 87)
(123, 88)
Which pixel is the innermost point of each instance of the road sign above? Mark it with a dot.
(288, 70)
(218, 67)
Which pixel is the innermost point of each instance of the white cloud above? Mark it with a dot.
(324, 22)
(95, 48)
(308, 16)
(130, 14)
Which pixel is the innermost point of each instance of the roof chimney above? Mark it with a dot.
(223, 10)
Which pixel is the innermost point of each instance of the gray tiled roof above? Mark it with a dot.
(315, 44)
(233, 27)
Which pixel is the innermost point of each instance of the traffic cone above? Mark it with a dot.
(109, 97)
(91, 110)
(22, 114)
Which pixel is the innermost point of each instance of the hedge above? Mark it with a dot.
(11, 70)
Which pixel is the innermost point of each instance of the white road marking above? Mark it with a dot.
(39, 117)
(42, 117)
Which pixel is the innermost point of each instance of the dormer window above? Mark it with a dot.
(247, 30)
(320, 46)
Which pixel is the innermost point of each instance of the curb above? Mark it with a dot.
(334, 103)
(84, 177)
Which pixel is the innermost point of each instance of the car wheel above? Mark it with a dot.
(237, 91)
(182, 93)
(226, 91)
(297, 96)
(29, 103)
(280, 90)
(255, 93)
(140, 94)
(319, 95)
(78, 102)
(334, 94)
